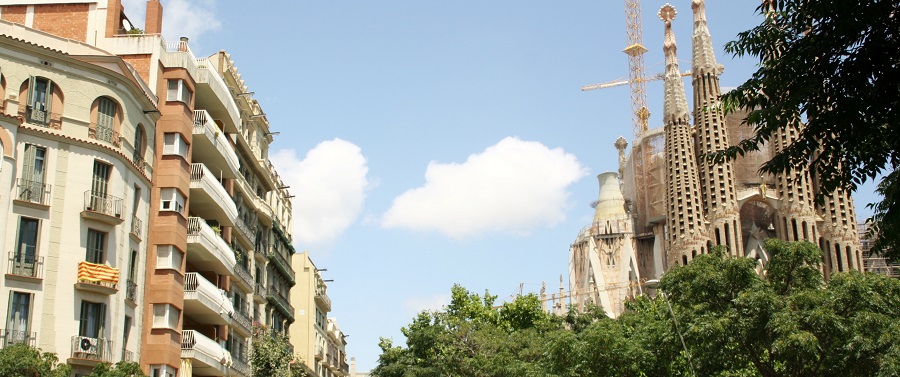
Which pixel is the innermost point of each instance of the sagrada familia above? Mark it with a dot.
(667, 205)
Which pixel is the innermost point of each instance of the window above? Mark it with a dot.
(162, 371)
(172, 200)
(40, 95)
(93, 319)
(165, 316)
(31, 185)
(167, 256)
(18, 322)
(174, 144)
(99, 184)
(106, 119)
(139, 145)
(178, 91)
(26, 248)
(96, 246)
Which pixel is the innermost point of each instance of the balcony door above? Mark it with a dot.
(39, 99)
(26, 252)
(93, 319)
(18, 322)
(33, 174)
(106, 115)
(99, 185)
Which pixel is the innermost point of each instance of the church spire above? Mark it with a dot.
(675, 106)
(687, 231)
(704, 57)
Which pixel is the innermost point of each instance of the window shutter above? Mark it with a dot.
(31, 91)
(83, 326)
(28, 163)
(10, 321)
(48, 98)
(101, 320)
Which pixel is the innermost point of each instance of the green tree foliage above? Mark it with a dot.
(836, 66)
(787, 322)
(20, 360)
(120, 369)
(271, 355)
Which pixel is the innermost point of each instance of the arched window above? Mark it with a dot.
(106, 119)
(43, 104)
(140, 146)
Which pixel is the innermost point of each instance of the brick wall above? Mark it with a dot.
(65, 20)
(141, 64)
(14, 13)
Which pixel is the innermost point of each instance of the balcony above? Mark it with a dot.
(282, 303)
(213, 95)
(99, 278)
(179, 54)
(91, 351)
(129, 356)
(322, 298)
(25, 265)
(131, 291)
(241, 318)
(33, 192)
(259, 293)
(206, 248)
(240, 367)
(212, 147)
(204, 302)
(281, 264)
(208, 358)
(103, 208)
(136, 228)
(41, 118)
(13, 336)
(209, 198)
(244, 279)
(104, 134)
(320, 352)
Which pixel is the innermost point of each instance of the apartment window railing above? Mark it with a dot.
(138, 159)
(41, 118)
(136, 225)
(131, 290)
(243, 274)
(243, 318)
(105, 204)
(278, 298)
(33, 191)
(92, 349)
(259, 289)
(26, 264)
(106, 134)
(11, 337)
(283, 265)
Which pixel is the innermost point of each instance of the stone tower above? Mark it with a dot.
(716, 180)
(687, 230)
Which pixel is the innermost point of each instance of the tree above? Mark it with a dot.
(270, 355)
(836, 66)
(20, 360)
(120, 369)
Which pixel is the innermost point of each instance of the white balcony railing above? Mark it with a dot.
(196, 287)
(207, 74)
(199, 232)
(202, 178)
(203, 124)
(204, 350)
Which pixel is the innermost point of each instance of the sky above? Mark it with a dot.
(432, 143)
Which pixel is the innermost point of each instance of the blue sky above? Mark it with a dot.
(439, 142)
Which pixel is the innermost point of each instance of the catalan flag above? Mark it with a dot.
(98, 273)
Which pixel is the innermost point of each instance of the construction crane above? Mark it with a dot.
(620, 82)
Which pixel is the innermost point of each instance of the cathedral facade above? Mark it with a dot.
(667, 204)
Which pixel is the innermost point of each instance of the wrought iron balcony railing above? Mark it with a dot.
(105, 204)
(26, 263)
(92, 349)
(33, 191)
(14, 336)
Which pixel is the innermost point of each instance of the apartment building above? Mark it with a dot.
(78, 126)
(317, 339)
(215, 256)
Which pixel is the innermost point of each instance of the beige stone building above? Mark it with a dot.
(679, 205)
(317, 338)
(150, 224)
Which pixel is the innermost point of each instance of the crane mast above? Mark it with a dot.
(636, 76)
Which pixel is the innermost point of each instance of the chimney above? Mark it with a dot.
(113, 17)
(153, 23)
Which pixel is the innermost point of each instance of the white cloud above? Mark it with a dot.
(511, 187)
(330, 185)
(415, 305)
(181, 18)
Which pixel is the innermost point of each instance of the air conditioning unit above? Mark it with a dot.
(86, 348)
